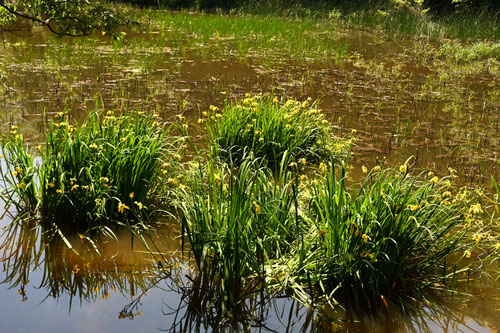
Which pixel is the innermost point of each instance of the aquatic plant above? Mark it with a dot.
(233, 222)
(396, 234)
(268, 127)
(111, 168)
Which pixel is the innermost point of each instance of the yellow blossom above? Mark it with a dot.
(467, 254)
(214, 108)
(377, 168)
(58, 191)
(413, 207)
(50, 184)
(364, 169)
(131, 195)
(20, 185)
(403, 168)
(122, 207)
(72, 181)
(475, 209)
(257, 207)
(446, 194)
(430, 174)
(302, 160)
(139, 205)
(104, 179)
(434, 180)
(75, 187)
(477, 237)
(447, 183)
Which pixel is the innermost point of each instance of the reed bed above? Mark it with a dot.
(324, 240)
(394, 235)
(269, 207)
(234, 219)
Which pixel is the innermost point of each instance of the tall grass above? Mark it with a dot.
(110, 169)
(269, 129)
(321, 239)
(234, 221)
(395, 235)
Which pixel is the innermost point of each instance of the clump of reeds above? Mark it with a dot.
(250, 228)
(111, 168)
(235, 220)
(394, 235)
(268, 127)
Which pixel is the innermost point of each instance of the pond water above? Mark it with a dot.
(400, 105)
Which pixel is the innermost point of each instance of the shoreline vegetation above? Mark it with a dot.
(265, 216)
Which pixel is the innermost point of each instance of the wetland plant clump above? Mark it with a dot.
(268, 127)
(321, 239)
(235, 218)
(112, 168)
(393, 235)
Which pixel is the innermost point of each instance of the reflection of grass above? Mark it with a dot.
(110, 168)
(270, 129)
(27, 247)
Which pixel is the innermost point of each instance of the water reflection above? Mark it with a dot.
(123, 281)
(79, 272)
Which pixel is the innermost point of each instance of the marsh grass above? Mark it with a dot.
(389, 18)
(110, 170)
(235, 219)
(395, 235)
(322, 238)
(270, 129)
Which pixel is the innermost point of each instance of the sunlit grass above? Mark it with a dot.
(324, 239)
(233, 221)
(270, 128)
(394, 235)
(112, 168)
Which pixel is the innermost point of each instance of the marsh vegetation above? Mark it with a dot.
(338, 165)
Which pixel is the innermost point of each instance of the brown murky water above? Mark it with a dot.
(400, 105)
